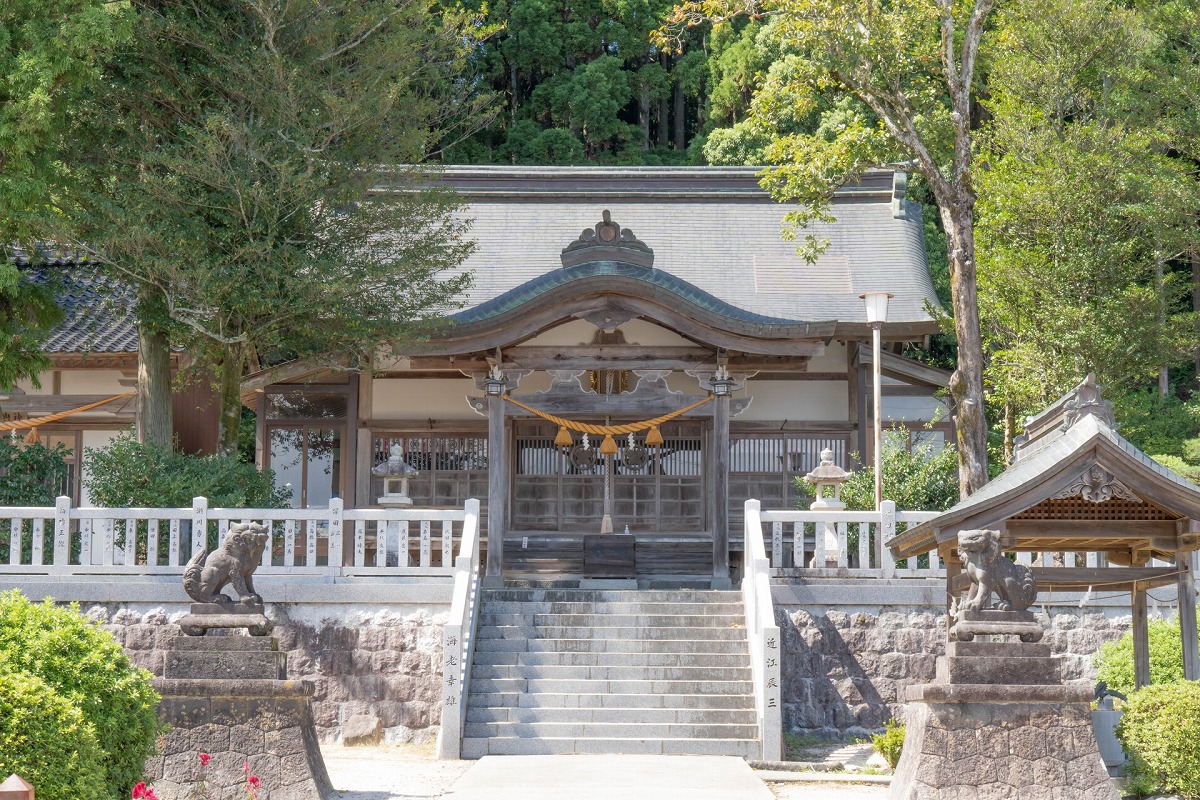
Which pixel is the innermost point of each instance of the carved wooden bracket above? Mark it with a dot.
(1096, 484)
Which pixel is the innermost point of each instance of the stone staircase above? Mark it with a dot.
(637, 671)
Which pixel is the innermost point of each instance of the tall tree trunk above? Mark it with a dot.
(644, 116)
(664, 128)
(229, 425)
(1195, 260)
(153, 422)
(680, 143)
(966, 385)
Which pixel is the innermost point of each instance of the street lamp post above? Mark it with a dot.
(877, 304)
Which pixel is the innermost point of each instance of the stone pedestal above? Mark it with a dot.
(228, 696)
(998, 723)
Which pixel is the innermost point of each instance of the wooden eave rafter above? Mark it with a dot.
(904, 369)
(98, 360)
(287, 372)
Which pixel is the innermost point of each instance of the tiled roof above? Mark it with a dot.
(98, 311)
(713, 228)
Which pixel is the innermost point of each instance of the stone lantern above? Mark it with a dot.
(828, 475)
(396, 473)
(825, 476)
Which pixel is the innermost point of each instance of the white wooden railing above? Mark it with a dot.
(63, 540)
(763, 636)
(846, 543)
(458, 637)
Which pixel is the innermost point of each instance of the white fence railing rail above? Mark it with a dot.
(458, 638)
(64, 540)
(763, 637)
(846, 542)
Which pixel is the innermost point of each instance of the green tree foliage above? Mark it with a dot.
(890, 743)
(583, 83)
(1084, 210)
(83, 664)
(1114, 660)
(128, 473)
(45, 739)
(234, 177)
(887, 82)
(51, 52)
(1160, 727)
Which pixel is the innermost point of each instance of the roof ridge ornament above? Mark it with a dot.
(607, 241)
(1085, 400)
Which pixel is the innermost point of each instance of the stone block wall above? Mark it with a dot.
(844, 673)
(385, 663)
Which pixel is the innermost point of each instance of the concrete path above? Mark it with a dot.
(583, 777)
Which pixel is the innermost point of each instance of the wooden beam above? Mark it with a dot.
(53, 403)
(1141, 637)
(1093, 529)
(1184, 563)
(612, 356)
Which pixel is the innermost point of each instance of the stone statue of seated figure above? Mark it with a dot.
(991, 573)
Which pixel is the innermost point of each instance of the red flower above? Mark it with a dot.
(204, 759)
(254, 781)
(143, 792)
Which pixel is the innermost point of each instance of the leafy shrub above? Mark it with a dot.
(1161, 726)
(45, 739)
(30, 475)
(1114, 660)
(1179, 466)
(129, 473)
(924, 480)
(889, 743)
(1158, 424)
(1140, 780)
(84, 664)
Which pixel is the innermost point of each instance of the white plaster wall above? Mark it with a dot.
(816, 401)
(436, 398)
(906, 408)
(94, 440)
(79, 381)
(832, 360)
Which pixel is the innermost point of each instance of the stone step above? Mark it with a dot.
(602, 632)
(609, 596)
(513, 746)
(647, 607)
(545, 645)
(609, 673)
(615, 686)
(611, 659)
(606, 730)
(624, 716)
(692, 622)
(479, 699)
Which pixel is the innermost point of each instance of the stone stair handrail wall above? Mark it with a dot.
(63, 540)
(458, 637)
(762, 634)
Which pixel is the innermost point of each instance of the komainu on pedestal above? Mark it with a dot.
(997, 721)
(228, 695)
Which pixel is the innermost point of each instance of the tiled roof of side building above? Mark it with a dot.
(97, 311)
(714, 228)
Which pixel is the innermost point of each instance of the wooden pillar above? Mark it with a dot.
(497, 491)
(350, 466)
(719, 505)
(1141, 637)
(1187, 615)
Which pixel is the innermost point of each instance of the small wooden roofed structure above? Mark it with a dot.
(1079, 486)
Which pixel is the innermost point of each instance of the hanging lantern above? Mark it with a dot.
(563, 439)
(32, 437)
(608, 447)
(654, 437)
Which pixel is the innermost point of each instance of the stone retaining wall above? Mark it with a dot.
(386, 663)
(844, 673)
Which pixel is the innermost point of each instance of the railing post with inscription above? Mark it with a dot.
(62, 531)
(199, 524)
(886, 530)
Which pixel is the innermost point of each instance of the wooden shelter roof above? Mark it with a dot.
(1079, 486)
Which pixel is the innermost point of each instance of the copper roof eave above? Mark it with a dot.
(942, 530)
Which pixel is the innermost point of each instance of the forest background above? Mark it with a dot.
(1084, 120)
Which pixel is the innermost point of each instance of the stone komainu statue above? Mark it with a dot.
(233, 563)
(990, 571)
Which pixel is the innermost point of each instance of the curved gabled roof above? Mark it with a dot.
(1055, 470)
(714, 229)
